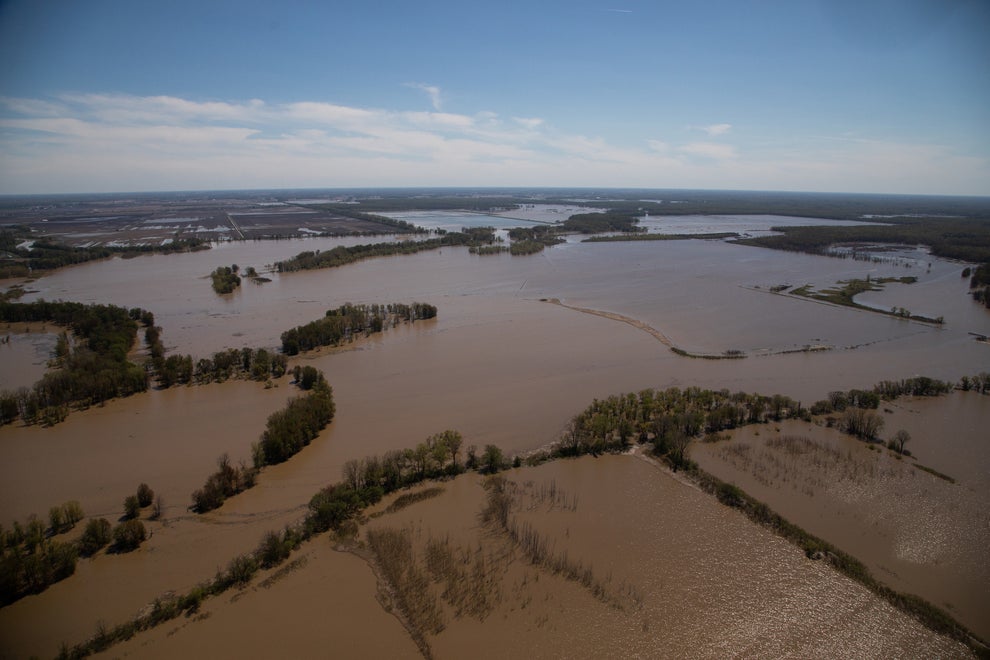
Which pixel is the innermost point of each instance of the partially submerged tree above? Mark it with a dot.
(900, 439)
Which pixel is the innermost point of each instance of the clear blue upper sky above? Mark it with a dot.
(837, 95)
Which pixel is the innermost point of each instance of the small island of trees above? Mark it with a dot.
(225, 279)
(348, 321)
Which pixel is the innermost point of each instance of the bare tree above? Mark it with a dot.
(901, 438)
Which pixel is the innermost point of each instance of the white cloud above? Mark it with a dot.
(712, 150)
(714, 130)
(432, 91)
(118, 142)
(532, 123)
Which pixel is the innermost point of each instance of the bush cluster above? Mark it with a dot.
(288, 430)
(31, 559)
(128, 536)
(341, 255)
(348, 321)
(226, 482)
(255, 364)
(225, 279)
(94, 371)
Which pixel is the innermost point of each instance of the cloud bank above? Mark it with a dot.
(110, 143)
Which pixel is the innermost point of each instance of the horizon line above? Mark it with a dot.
(9, 195)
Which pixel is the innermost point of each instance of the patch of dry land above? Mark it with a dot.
(607, 556)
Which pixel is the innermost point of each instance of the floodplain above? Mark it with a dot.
(680, 573)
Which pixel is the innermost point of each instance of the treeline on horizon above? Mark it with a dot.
(480, 240)
(965, 239)
(348, 211)
(45, 254)
(837, 206)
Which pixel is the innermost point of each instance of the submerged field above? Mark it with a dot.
(681, 574)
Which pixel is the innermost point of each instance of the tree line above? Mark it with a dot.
(286, 432)
(343, 255)
(255, 364)
(32, 558)
(669, 419)
(96, 369)
(609, 425)
(966, 239)
(979, 283)
(344, 323)
(597, 223)
(347, 210)
(46, 254)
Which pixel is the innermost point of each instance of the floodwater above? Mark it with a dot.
(681, 576)
(499, 364)
(916, 532)
(744, 225)
(25, 349)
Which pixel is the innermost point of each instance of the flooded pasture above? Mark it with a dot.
(503, 366)
(25, 350)
(674, 574)
(916, 531)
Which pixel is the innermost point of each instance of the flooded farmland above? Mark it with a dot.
(917, 531)
(504, 366)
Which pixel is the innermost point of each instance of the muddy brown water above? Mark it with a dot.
(497, 364)
(705, 583)
(25, 349)
(916, 532)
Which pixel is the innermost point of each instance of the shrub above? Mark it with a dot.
(56, 519)
(239, 571)
(159, 508)
(128, 535)
(95, 536)
(274, 549)
(72, 513)
(145, 495)
(730, 495)
(131, 507)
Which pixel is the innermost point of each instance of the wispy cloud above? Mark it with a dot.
(712, 150)
(432, 91)
(100, 142)
(714, 130)
(532, 123)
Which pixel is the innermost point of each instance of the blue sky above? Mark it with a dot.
(839, 95)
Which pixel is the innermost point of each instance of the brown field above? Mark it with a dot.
(150, 221)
